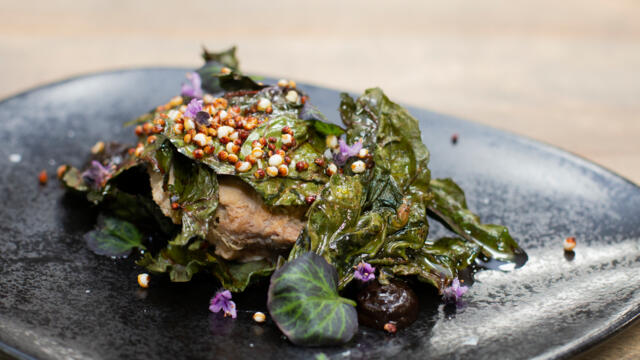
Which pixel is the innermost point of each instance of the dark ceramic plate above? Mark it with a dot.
(59, 300)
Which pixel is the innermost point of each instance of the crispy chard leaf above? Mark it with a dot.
(114, 237)
(293, 189)
(138, 209)
(360, 218)
(193, 186)
(339, 229)
(393, 134)
(225, 58)
(320, 122)
(246, 101)
(211, 72)
(214, 79)
(437, 262)
(450, 206)
(303, 300)
(235, 81)
(398, 150)
(181, 262)
(380, 214)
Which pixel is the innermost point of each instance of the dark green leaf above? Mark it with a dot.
(450, 206)
(438, 262)
(293, 189)
(303, 301)
(311, 113)
(327, 128)
(114, 237)
(225, 58)
(281, 191)
(139, 209)
(181, 262)
(235, 81)
(211, 73)
(397, 141)
(194, 186)
(236, 276)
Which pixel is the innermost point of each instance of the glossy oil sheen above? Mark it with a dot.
(59, 300)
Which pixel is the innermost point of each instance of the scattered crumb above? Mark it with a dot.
(15, 158)
(61, 170)
(143, 280)
(259, 317)
(569, 243)
(42, 177)
(390, 328)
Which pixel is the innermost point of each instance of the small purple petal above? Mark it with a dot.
(226, 294)
(231, 310)
(365, 272)
(222, 301)
(215, 307)
(96, 175)
(193, 108)
(346, 151)
(454, 292)
(194, 89)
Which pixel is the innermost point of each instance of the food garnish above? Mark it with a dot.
(569, 243)
(305, 304)
(454, 292)
(244, 180)
(43, 177)
(365, 272)
(222, 302)
(143, 280)
(259, 317)
(114, 237)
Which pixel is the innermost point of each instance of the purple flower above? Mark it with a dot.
(346, 151)
(365, 272)
(195, 88)
(454, 292)
(193, 108)
(96, 175)
(222, 301)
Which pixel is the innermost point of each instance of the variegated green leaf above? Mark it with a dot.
(304, 303)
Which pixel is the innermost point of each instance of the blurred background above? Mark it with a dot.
(563, 72)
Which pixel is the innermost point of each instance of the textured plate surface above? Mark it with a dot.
(58, 300)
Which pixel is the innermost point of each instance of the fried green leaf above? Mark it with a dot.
(193, 186)
(303, 301)
(393, 134)
(450, 206)
(296, 186)
(211, 72)
(312, 114)
(226, 58)
(114, 237)
(181, 262)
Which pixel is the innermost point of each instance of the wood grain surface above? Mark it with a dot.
(562, 72)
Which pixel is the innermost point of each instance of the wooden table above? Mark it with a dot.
(563, 72)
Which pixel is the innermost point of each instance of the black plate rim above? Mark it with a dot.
(564, 352)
